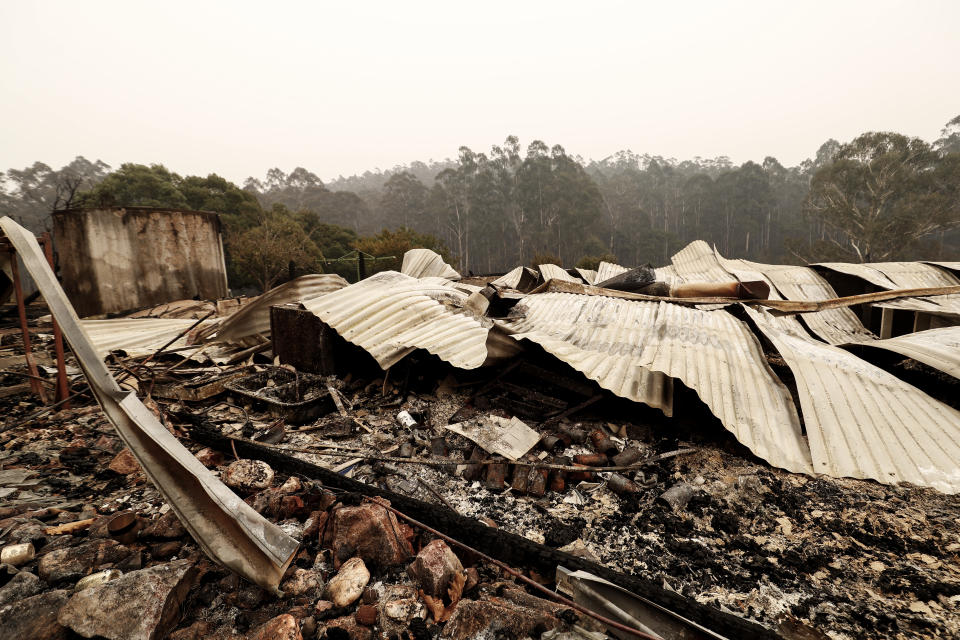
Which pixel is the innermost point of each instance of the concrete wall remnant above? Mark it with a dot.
(121, 258)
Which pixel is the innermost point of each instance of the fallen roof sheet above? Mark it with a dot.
(424, 263)
(607, 270)
(136, 336)
(634, 348)
(252, 320)
(589, 275)
(835, 326)
(555, 272)
(226, 528)
(905, 275)
(939, 348)
(863, 422)
(390, 315)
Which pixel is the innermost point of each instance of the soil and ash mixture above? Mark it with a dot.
(843, 558)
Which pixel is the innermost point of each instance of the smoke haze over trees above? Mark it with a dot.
(882, 196)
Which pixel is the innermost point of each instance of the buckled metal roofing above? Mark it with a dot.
(634, 348)
(424, 263)
(391, 314)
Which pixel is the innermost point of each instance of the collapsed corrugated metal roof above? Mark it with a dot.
(391, 314)
(863, 422)
(905, 275)
(939, 348)
(424, 263)
(860, 420)
(634, 348)
(607, 270)
(253, 319)
(136, 336)
(589, 275)
(554, 272)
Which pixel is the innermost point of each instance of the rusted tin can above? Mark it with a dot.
(475, 471)
(580, 476)
(537, 482)
(621, 484)
(602, 442)
(592, 459)
(627, 457)
(574, 433)
(496, 476)
(550, 442)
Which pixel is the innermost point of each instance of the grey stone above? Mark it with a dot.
(23, 585)
(34, 618)
(141, 605)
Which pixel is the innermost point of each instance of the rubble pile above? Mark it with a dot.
(399, 489)
(108, 558)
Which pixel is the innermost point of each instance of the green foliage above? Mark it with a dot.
(396, 243)
(38, 190)
(136, 185)
(156, 186)
(882, 195)
(332, 240)
(593, 262)
(278, 246)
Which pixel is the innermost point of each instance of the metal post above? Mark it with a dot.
(63, 390)
(35, 384)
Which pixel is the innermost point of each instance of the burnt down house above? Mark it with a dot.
(713, 448)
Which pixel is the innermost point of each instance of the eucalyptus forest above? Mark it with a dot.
(881, 196)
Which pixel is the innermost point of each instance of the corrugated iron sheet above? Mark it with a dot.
(905, 275)
(136, 336)
(554, 272)
(939, 348)
(589, 275)
(424, 263)
(835, 326)
(607, 270)
(253, 319)
(390, 314)
(633, 348)
(863, 422)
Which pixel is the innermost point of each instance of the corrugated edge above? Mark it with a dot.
(938, 348)
(554, 272)
(589, 275)
(136, 336)
(424, 263)
(253, 319)
(905, 275)
(607, 270)
(390, 314)
(626, 346)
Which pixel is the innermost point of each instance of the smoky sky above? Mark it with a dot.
(238, 87)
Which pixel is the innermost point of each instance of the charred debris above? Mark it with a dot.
(558, 455)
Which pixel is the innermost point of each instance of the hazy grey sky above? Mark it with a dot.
(238, 87)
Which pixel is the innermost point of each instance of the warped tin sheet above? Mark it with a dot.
(634, 348)
(226, 528)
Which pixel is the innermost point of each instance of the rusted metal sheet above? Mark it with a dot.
(390, 314)
(115, 259)
(227, 529)
(554, 272)
(252, 321)
(424, 263)
(634, 348)
(863, 422)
